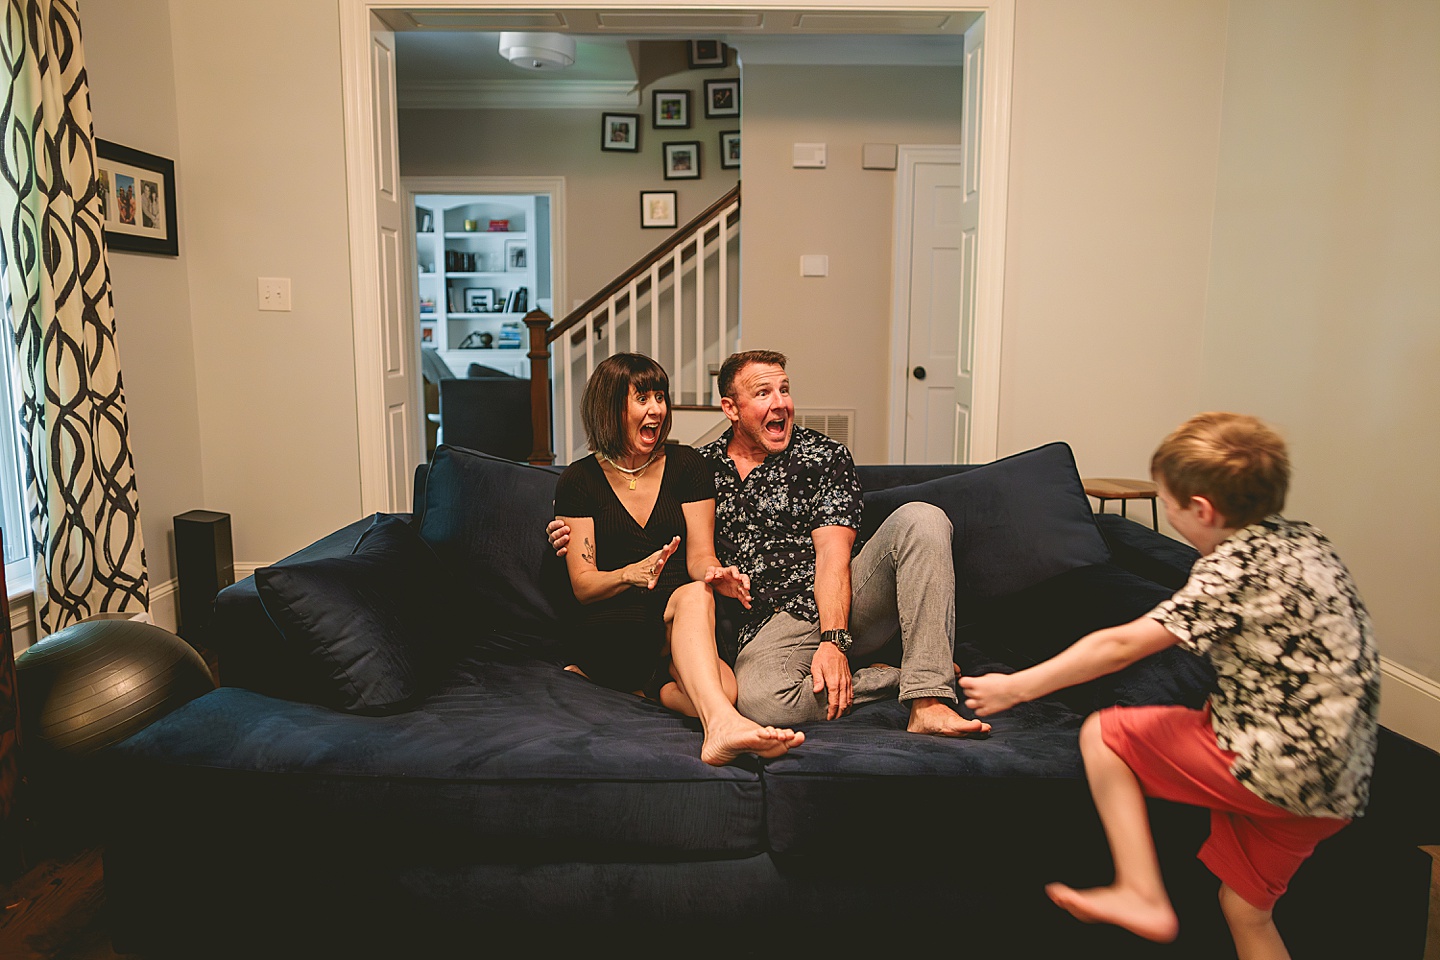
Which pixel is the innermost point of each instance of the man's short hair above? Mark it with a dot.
(1233, 460)
(607, 396)
(736, 362)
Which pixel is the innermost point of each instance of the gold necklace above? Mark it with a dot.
(633, 474)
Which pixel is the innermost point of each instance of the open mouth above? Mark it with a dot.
(777, 426)
(649, 432)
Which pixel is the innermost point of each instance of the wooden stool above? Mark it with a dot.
(1110, 488)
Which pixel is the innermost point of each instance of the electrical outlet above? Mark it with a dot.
(275, 293)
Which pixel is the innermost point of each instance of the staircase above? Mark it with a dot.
(678, 304)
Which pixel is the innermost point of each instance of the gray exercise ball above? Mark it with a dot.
(97, 682)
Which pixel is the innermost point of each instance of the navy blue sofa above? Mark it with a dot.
(396, 765)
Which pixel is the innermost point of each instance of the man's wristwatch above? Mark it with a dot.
(841, 639)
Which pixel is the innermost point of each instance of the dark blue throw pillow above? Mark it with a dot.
(1018, 521)
(364, 620)
(485, 517)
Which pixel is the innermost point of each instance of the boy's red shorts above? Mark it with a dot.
(1254, 846)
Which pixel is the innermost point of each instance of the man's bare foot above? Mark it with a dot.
(1143, 916)
(935, 717)
(725, 742)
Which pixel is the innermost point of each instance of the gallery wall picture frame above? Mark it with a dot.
(517, 255)
(657, 209)
(730, 149)
(722, 98)
(708, 54)
(682, 160)
(670, 109)
(620, 131)
(137, 199)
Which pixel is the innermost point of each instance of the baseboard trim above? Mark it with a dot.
(1410, 703)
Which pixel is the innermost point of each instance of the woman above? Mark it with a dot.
(632, 505)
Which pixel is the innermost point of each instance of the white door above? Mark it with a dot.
(399, 356)
(939, 354)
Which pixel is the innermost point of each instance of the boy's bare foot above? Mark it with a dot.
(1142, 916)
(935, 717)
(725, 742)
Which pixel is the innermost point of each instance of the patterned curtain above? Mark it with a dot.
(84, 509)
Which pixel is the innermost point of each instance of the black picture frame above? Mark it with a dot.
(670, 109)
(620, 131)
(137, 199)
(681, 159)
(722, 98)
(730, 149)
(707, 54)
(657, 209)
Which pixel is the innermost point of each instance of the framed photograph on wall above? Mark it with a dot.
(657, 208)
(137, 199)
(682, 160)
(707, 54)
(670, 109)
(722, 98)
(620, 131)
(517, 255)
(479, 299)
(729, 149)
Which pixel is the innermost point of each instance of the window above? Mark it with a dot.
(13, 519)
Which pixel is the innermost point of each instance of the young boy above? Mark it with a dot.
(1281, 754)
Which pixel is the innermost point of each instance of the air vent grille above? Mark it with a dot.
(838, 425)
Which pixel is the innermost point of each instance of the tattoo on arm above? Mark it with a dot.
(588, 553)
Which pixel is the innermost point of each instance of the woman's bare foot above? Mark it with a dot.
(1143, 916)
(725, 742)
(932, 716)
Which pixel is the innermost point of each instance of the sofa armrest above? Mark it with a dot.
(1142, 551)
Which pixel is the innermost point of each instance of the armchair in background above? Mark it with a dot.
(489, 414)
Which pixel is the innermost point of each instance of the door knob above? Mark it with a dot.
(919, 373)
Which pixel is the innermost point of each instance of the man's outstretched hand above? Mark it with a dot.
(557, 531)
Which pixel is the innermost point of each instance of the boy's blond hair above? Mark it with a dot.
(1233, 460)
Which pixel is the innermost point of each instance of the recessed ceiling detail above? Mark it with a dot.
(494, 20)
(678, 22)
(872, 22)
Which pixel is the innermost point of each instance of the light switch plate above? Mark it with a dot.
(814, 265)
(275, 293)
(809, 155)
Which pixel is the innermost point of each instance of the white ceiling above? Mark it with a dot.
(443, 49)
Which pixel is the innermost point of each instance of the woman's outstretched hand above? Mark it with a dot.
(645, 573)
(730, 582)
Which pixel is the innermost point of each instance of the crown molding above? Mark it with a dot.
(519, 95)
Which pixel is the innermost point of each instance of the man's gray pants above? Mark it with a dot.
(902, 581)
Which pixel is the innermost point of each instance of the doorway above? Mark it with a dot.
(368, 111)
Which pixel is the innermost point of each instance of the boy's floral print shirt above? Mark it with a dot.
(1276, 613)
(763, 525)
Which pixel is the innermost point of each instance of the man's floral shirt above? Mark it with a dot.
(763, 525)
(1276, 613)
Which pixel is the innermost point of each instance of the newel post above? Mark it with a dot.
(538, 321)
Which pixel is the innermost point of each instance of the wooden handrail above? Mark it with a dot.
(643, 264)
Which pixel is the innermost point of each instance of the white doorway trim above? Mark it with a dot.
(359, 117)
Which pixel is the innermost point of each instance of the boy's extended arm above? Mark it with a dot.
(1093, 655)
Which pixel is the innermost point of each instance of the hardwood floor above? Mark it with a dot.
(56, 911)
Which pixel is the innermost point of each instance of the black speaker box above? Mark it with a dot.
(205, 560)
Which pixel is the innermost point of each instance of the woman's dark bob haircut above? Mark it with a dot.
(607, 394)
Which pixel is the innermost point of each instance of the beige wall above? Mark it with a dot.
(1115, 131)
(835, 329)
(262, 174)
(133, 101)
(1324, 292)
(602, 188)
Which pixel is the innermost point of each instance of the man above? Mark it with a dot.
(788, 507)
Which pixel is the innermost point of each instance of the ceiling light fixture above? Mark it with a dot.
(538, 51)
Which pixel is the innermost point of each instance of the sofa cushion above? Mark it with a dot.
(1017, 521)
(503, 760)
(361, 621)
(485, 518)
